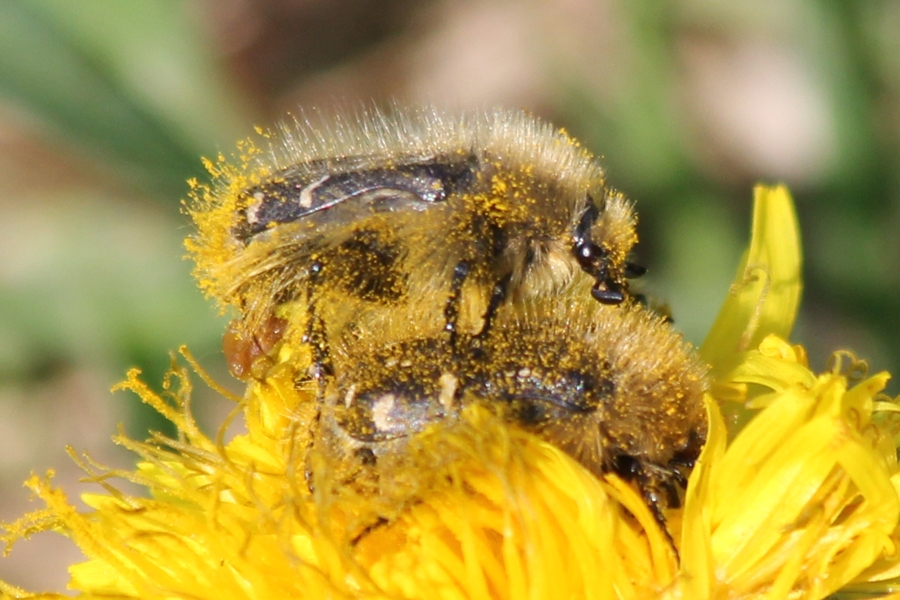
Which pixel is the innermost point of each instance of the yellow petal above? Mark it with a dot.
(765, 294)
(802, 503)
(532, 525)
(698, 569)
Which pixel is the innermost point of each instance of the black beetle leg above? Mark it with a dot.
(452, 308)
(498, 295)
(634, 270)
(315, 335)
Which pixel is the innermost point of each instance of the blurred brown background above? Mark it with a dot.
(105, 108)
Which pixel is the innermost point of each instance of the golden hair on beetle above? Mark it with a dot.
(458, 214)
(615, 387)
(418, 263)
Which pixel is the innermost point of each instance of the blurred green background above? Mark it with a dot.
(106, 107)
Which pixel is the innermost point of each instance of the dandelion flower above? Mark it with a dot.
(795, 494)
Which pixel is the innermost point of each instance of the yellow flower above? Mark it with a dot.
(797, 497)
